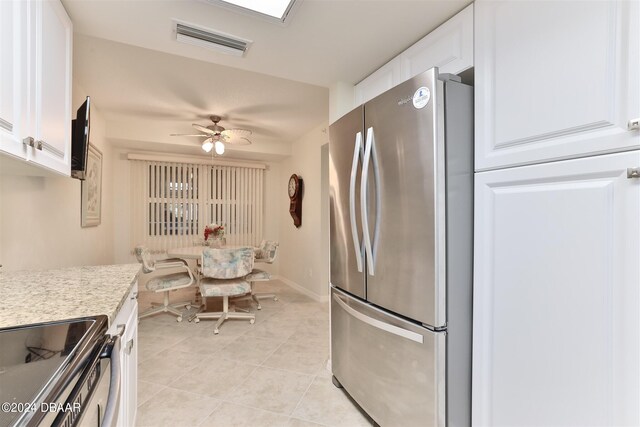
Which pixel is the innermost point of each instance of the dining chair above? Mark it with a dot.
(265, 253)
(223, 272)
(165, 281)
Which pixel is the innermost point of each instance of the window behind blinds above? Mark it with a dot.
(172, 203)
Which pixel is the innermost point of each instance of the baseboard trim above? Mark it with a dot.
(302, 289)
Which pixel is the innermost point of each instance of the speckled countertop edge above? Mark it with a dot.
(28, 297)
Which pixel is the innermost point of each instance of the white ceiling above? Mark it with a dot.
(127, 59)
(146, 95)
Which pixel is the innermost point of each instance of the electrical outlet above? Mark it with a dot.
(310, 273)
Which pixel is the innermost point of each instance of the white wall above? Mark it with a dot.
(40, 216)
(302, 258)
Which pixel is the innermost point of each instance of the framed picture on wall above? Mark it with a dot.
(92, 189)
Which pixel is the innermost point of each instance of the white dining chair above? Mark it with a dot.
(265, 253)
(223, 272)
(178, 275)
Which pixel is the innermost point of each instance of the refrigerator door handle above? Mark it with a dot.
(358, 247)
(370, 156)
(392, 329)
(376, 178)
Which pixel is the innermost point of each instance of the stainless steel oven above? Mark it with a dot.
(63, 373)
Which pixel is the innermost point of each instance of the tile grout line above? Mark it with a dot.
(302, 397)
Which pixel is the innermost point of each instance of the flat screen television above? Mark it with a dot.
(80, 141)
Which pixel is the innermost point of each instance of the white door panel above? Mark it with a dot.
(52, 82)
(449, 47)
(380, 81)
(555, 80)
(556, 294)
(13, 84)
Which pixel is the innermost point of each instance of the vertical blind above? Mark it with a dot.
(173, 202)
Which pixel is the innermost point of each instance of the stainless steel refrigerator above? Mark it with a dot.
(401, 204)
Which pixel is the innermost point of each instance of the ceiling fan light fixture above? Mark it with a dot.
(207, 145)
(219, 148)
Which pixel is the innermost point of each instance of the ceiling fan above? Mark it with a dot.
(216, 135)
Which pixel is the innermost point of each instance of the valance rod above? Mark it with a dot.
(153, 157)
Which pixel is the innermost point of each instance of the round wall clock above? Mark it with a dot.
(294, 186)
(294, 189)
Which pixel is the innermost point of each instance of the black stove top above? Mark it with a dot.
(34, 357)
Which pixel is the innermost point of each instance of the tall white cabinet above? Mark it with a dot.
(557, 214)
(35, 83)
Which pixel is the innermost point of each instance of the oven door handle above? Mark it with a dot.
(113, 400)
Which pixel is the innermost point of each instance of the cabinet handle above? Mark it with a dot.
(633, 172)
(634, 124)
(129, 346)
(39, 145)
(29, 141)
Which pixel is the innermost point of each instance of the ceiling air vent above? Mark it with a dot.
(203, 37)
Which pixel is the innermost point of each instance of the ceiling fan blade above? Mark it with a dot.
(188, 134)
(237, 132)
(236, 140)
(203, 129)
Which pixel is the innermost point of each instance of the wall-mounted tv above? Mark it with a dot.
(80, 141)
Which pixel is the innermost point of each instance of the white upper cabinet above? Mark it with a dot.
(13, 89)
(383, 79)
(51, 74)
(555, 80)
(35, 83)
(556, 294)
(449, 47)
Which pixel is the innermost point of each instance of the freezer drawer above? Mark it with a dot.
(394, 369)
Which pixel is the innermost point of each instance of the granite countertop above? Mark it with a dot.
(44, 296)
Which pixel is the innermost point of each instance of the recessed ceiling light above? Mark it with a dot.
(278, 9)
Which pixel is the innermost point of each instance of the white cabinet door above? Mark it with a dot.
(128, 317)
(555, 80)
(51, 77)
(556, 318)
(383, 79)
(129, 377)
(13, 81)
(449, 47)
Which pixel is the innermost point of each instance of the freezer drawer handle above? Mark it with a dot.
(410, 335)
(370, 155)
(357, 152)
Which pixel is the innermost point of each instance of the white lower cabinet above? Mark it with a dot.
(128, 317)
(557, 294)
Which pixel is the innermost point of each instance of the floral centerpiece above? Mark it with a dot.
(215, 230)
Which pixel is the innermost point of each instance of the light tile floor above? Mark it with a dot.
(271, 373)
